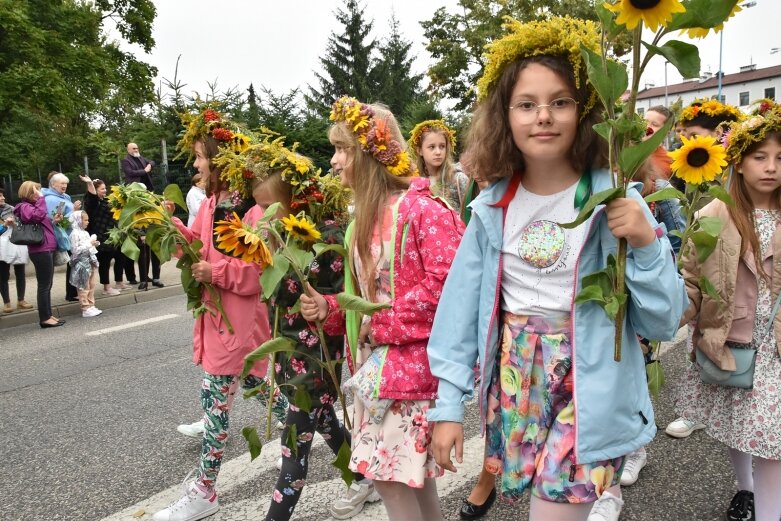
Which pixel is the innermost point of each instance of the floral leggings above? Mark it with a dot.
(217, 394)
(292, 476)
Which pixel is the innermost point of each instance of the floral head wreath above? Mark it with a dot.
(557, 36)
(209, 121)
(710, 108)
(416, 136)
(373, 135)
(765, 119)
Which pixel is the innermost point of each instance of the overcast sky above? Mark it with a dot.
(278, 43)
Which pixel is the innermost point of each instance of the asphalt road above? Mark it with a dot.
(88, 432)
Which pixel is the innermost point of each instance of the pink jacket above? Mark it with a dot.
(427, 237)
(214, 347)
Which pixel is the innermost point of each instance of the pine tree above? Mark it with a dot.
(348, 62)
(399, 87)
(252, 115)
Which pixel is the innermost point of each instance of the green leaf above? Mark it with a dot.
(702, 13)
(275, 345)
(707, 287)
(604, 129)
(320, 248)
(655, 375)
(342, 461)
(273, 274)
(302, 399)
(612, 29)
(664, 194)
(270, 213)
(684, 56)
(249, 393)
(292, 439)
(603, 279)
(130, 248)
(718, 192)
(599, 198)
(632, 157)
(705, 244)
(295, 308)
(710, 225)
(302, 258)
(196, 245)
(253, 441)
(173, 193)
(589, 293)
(186, 276)
(349, 302)
(608, 77)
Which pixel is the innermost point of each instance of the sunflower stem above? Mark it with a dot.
(273, 378)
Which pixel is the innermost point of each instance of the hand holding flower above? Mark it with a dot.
(626, 220)
(202, 271)
(313, 305)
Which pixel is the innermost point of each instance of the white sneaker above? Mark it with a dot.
(279, 463)
(280, 425)
(635, 462)
(606, 508)
(351, 503)
(91, 312)
(682, 428)
(111, 292)
(193, 505)
(193, 430)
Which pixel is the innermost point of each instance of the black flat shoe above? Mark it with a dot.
(45, 325)
(472, 511)
(61, 321)
(132, 282)
(158, 284)
(143, 286)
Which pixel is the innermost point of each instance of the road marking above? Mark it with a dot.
(131, 325)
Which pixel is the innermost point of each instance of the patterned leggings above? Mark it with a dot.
(292, 476)
(217, 394)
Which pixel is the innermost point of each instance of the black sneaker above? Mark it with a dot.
(741, 508)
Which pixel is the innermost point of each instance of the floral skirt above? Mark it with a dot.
(399, 447)
(531, 418)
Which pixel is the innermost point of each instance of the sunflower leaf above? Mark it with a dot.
(608, 77)
(655, 374)
(589, 293)
(632, 157)
(664, 194)
(604, 129)
(705, 14)
(599, 198)
(272, 275)
(275, 345)
(320, 248)
(707, 287)
(253, 441)
(270, 212)
(721, 194)
(130, 249)
(612, 29)
(349, 302)
(710, 225)
(302, 399)
(302, 258)
(684, 56)
(705, 244)
(173, 193)
(342, 463)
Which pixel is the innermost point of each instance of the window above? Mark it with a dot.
(722, 98)
(770, 93)
(641, 111)
(744, 99)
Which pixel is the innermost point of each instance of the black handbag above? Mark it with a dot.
(27, 234)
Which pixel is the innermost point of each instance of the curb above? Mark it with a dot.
(73, 308)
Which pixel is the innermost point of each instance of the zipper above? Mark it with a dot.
(488, 340)
(572, 341)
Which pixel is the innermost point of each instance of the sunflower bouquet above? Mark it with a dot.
(138, 213)
(624, 129)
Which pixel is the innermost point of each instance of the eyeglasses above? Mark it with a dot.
(558, 108)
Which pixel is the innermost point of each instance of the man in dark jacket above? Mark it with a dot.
(137, 169)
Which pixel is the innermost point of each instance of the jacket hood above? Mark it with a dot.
(75, 218)
(50, 192)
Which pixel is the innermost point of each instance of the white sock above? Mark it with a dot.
(741, 464)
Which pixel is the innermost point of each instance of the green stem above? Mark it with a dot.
(273, 378)
(213, 293)
(620, 290)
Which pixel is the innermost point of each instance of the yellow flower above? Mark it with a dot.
(300, 228)
(235, 239)
(652, 12)
(700, 32)
(700, 159)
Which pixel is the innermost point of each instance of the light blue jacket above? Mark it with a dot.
(613, 412)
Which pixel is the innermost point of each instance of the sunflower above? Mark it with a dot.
(301, 228)
(700, 159)
(652, 12)
(235, 239)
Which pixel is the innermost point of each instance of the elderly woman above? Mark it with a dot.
(33, 209)
(57, 201)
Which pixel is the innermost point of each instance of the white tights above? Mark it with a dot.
(764, 481)
(405, 503)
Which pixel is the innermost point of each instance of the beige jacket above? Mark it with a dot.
(735, 280)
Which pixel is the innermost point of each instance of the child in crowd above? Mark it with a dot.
(656, 117)
(433, 145)
(400, 247)
(84, 262)
(748, 282)
(701, 118)
(560, 413)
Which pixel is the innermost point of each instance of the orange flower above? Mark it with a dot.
(239, 241)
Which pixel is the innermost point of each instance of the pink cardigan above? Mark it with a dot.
(238, 283)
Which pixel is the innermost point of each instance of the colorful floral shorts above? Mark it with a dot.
(531, 418)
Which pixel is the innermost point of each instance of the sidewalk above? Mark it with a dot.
(169, 275)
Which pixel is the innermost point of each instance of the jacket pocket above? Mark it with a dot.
(742, 326)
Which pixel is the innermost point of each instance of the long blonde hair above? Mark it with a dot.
(447, 172)
(372, 185)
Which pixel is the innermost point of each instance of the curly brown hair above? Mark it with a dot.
(489, 141)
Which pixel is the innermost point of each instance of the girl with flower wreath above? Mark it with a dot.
(746, 276)
(560, 413)
(433, 144)
(400, 246)
(701, 119)
(220, 352)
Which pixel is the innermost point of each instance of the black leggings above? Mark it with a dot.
(145, 256)
(5, 276)
(44, 275)
(104, 265)
(294, 467)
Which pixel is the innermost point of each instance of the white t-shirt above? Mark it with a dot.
(539, 256)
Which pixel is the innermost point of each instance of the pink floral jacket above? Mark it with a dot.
(427, 236)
